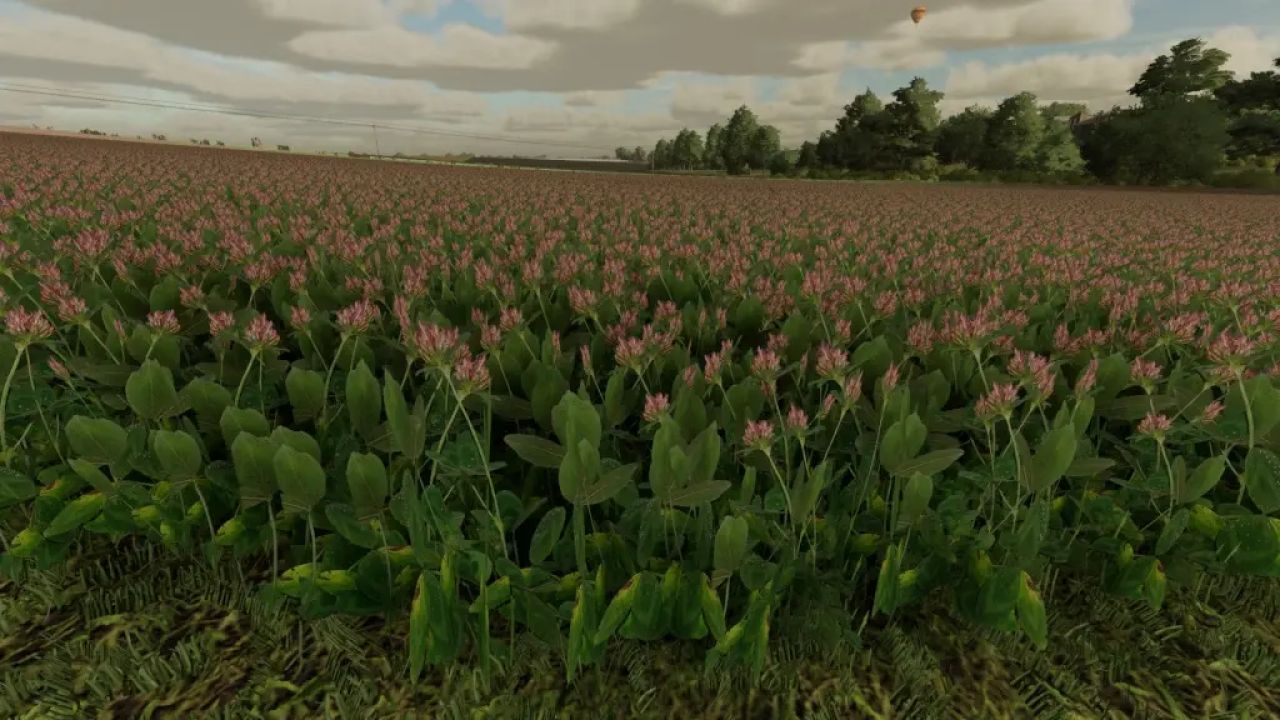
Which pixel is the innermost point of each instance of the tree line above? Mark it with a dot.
(1190, 119)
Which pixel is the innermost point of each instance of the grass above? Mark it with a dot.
(134, 631)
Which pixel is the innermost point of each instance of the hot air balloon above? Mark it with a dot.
(918, 13)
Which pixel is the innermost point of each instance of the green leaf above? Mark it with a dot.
(151, 392)
(99, 441)
(300, 441)
(15, 488)
(178, 453)
(364, 399)
(902, 442)
(1265, 402)
(90, 473)
(930, 463)
(576, 419)
(915, 497)
(1173, 529)
(76, 513)
(1088, 467)
(663, 478)
(208, 399)
(1054, 454)
(419, 629)
(1031, 614)
(614, 412)
(367, 479)
(546, 535)
(1204, 479)
(1262, 479)
(398, 419)
(610, 484)
(301, 479)
(535, 450)
(241, 420)
(254, 461)
(730, 545)
(694, 495)
(873, 357)
(305, 389)
(886, 598)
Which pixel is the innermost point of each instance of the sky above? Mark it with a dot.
(571, 78)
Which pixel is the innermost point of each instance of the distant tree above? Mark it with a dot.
(1059, 153)
(662, 154)
(639, 154)
(686, 150)
(221, 144)
(1167, 139)
(256, 142)
(808, 157)
(1254, 105)
(282, 148)
(909, 124)
(1190, 67)
(1063, 110)
(859, 133)
(712, 149)
(737, 141)
(204, 142)
(962, 137)
(766, 143)
(1014, 134)
(779, 164)
(622, 153)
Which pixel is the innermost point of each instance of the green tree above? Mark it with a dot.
(808, 157)
(622, 153)
(911, 122)
(662, 155)
(686, 150)
(1254, 105)
(736, 143)
(712, 150)
(766, 142)
(1190, 67)
(1059, 153)
(962, 137)
(1166, 140)
(639, 155)
(857, 133)
(779, 164)
(1014, 134)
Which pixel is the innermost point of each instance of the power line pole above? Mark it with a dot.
(377, 147)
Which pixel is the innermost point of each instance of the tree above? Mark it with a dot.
(686, 150)
(766, 142)
(712, 151)
(910, 124)
(662, 155)
(1189, 68)
(779, 164)
(639, 154)
(962, 137)
(1254, 104)
(858, 141)
(1168, 139)
(1014, 134)
(1058, 154)
(808, 155)
(622, 153)
(736, 141)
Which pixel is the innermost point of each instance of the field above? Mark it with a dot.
(754, 447)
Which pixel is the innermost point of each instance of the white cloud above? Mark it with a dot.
(1250, 50)
(456, 45)
(731, 7)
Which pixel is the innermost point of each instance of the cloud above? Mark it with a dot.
(1250, 50)
(561, 14)
(456, 45)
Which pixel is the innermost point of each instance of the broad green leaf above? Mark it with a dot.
(367, 480)
(694, 495)
(90, 473)
(1173, 529)
(254, 461)
(15, 487)
(242, 420)
(398, 419)
(704, 455)
(76, 513)
(300, 477)
(1204, 479)
(915, 497)
(99, 441)
(1032, 617)
(1088, 467)
(178, 453)
(1054, 454)
(546, 535)
(151, 392)
(614, 391)
(617, 611)
(1265, 402)
(872, 357)
(419, 628)
(1262, 479)
(930, 463)
(886, 597)
(730, 545)
(364, 399)
(610, 484)
(663, 479)
(300, 441)
(902, 442)
(305, 389)
(535, 450)
(208, 399)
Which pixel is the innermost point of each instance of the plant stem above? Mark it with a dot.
(4, 400)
